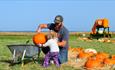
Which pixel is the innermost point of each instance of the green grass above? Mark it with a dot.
(6, 55)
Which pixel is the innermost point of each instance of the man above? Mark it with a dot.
(63, 36)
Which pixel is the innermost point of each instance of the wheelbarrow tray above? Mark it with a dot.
(31, 50)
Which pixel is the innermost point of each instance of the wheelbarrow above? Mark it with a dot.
(22, 51)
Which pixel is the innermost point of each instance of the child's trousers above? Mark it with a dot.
(49, 56)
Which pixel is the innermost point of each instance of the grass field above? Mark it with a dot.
(8, 39)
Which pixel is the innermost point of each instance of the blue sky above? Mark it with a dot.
(79, 15)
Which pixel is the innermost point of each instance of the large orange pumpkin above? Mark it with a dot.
(93, 63)
(109, 61)
(85, 55)
(101, 56)
(39, 38)
(113, 57)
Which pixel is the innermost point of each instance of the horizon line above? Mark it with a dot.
(47, 31)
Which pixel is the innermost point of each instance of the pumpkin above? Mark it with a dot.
(93, 63)
(101, 56)
(85, 55)
(39, 38)
(89, 50)
(113, 57)
(109, 61)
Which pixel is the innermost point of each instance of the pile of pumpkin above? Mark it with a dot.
(107, 40)
(92, 60)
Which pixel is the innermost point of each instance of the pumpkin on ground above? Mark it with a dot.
(39, 38)
(109, 61)
(85, 55)
(93, 63)
(101, 56)
(90, 50)
(113, 57)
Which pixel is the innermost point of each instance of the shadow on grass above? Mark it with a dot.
(26, 61)
(10, 62)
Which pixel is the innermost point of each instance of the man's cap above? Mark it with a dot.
(58, 18)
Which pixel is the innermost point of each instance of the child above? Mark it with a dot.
(54, 49)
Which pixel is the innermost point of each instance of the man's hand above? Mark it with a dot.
(62, 44)
(41, 26)
(39, 30)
